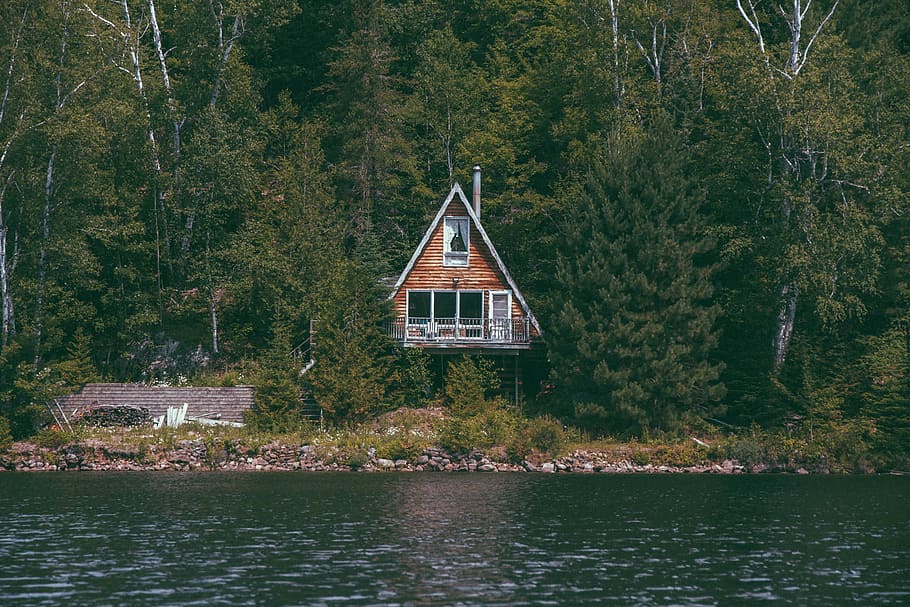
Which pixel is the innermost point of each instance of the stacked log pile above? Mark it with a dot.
(108, 416)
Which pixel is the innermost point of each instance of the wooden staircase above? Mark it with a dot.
(304, 353)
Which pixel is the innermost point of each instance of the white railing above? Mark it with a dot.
(494, 330)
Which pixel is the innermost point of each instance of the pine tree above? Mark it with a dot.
(354, 373)
(634, 328)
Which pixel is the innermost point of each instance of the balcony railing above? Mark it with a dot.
(460, 330)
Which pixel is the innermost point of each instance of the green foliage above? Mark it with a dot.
(277, 392)
(468, 384)
(842, 447)
(354, 372)
(6, 437)
(537, 435)
(52, 438)
(416, 378)
(284, 168)
(886, 397)
(500, 430)
(634, 342)
(492, 428)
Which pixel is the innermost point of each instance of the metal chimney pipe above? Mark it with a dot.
(476, 186)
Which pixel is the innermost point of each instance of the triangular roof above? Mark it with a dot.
(457, 191)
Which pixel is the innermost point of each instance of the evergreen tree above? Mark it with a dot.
(631, 344)
(277, 387)
(354, 372)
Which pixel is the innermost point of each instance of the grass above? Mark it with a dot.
(500, 433)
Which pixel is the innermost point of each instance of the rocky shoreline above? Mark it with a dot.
(193, 455)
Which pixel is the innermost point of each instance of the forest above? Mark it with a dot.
(705, 202)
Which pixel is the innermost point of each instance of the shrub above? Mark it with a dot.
(468, 384)
(540, 434)
(748, 450)
(641, 458)
(682, 454)
(277, 399)
(460, 435)
(401, 446)
(54, 439)
(415, 378)
(358, 460)
(6, 437)
(545, 434)
(495, 427)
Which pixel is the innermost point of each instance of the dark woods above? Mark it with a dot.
(705, 202)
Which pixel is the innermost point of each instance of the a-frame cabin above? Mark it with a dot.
(456, 296)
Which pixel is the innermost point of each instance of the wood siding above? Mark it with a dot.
(429, 273)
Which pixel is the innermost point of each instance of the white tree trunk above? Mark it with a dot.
(791, 149)
(225, 47)
(214, 313)
(7, 323)
(795, 17)
(42, 254)
(614, 29)
(654, 55)
(786, 319)
(7, 312)
(176, 119)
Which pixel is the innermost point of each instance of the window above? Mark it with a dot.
(419, 305)
(445, 306)
(500, 304)
(456, 235)
(445, 314)
(500, 315)
(470, 304)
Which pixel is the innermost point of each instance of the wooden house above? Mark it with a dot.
(456, 295)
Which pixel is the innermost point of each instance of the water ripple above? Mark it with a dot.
(434, 539)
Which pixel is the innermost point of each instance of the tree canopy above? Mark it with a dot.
(705, 201)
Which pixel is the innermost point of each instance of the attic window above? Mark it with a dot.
(456, 241)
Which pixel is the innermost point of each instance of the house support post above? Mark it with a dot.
(516, 379)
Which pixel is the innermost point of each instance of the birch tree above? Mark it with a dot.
(377, 167)
(12, 117)
(67, 82)
(121, 42)
(448, 97)
(804, 115)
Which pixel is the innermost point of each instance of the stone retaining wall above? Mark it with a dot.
(197, 455)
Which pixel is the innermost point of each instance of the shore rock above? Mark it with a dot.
(190, 455)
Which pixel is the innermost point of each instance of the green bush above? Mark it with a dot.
(683, 454)
(641, 458)
(6, 437)
(495, 427)
(746, 450)
(277, 399)
(460, 435)
(416, 380)
(402, 446)
(469, 382)
(357, 460)
(54, 439)
(540, 434)
(546, 434)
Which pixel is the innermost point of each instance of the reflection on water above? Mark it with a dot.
(449, 539)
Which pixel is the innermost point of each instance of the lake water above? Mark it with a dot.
(422, 539)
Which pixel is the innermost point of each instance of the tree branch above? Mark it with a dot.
(817, 32)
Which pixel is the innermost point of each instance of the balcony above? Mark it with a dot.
(461, 332)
